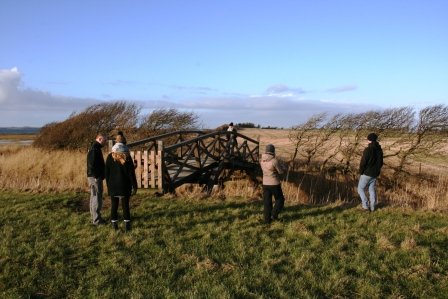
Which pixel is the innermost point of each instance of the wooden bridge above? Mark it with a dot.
(170, 160)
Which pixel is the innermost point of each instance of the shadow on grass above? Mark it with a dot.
(185, 210)
(298, 212)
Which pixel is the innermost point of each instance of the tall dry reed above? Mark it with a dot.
(30, 169)
(27, 168)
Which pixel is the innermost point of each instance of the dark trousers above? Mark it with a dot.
(268, 192)
(124, 205)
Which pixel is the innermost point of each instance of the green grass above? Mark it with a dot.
(218, 249)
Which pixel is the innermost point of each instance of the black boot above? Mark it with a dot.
(127, 225)
(115, 225)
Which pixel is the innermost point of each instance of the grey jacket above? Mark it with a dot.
(271, 170)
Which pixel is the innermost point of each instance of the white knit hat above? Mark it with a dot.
(120, 148)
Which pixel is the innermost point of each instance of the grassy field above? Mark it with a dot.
(218, 249)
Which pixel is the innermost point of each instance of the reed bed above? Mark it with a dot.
(26, 168)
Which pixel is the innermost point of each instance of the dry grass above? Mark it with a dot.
(29, 169)
(427, 189)
(19, 137)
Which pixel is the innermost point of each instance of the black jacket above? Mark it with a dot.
(120, 178)
(95, 161)
(372, 160)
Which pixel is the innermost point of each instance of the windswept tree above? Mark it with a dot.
(78, 131)
(319, 142)
(425, 137)
(164, 120)
(353, 131)
(300, 135)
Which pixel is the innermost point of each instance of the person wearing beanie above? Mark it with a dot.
(369, 169)
(271, 184)
(120, 140)
(121, 183)
(120, 136)
(95, 177)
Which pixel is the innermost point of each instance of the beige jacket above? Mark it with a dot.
(271, 170)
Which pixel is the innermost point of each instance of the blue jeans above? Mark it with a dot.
(370, 182)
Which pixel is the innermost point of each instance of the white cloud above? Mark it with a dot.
(9, 80)
(21, 106)
(279, 105)
(282, 90)
(264, 110)
(344, 88)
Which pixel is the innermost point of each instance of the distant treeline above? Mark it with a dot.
(252, 125)
(19, 130)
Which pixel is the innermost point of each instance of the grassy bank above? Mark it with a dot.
(218, 249)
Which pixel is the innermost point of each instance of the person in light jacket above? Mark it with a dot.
(121, 183)
(271, 184)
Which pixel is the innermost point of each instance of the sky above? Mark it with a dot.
(272, 63)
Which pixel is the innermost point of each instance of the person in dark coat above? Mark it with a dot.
(369, 170)
(95, 177)
(121, 183)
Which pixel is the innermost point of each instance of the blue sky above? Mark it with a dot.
(267, 62)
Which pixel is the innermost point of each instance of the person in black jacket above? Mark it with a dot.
(369, 170)
(121, 183)
(95, 177)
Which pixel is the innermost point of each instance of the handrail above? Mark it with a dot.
(204, 136)
(158, 137)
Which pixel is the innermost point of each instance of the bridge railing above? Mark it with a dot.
(150, 143)
(194, 160)
(197, 159)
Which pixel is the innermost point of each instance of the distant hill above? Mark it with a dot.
(19, 130)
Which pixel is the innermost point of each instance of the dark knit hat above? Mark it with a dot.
(120, 137)
(372, 137)
(270, 149)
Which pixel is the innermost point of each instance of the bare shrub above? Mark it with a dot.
(78, 131)
(425, 138)
(164, 120)
(334, 147)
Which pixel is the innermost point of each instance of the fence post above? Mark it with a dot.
(160, 165)
(138, 170)
(152, 168)
(110, 144)
(145, 169)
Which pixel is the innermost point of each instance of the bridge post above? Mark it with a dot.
(110, 144)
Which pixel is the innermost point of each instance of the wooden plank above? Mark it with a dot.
(145, 169)
(152, 168)
(138, 170)
(160, 165)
